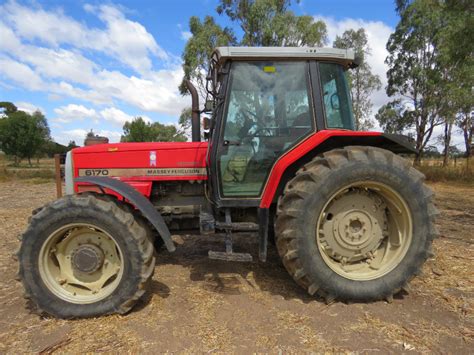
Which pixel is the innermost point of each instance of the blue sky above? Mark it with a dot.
(94, 65)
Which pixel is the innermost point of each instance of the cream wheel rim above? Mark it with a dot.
(80, 263)
(364, 231)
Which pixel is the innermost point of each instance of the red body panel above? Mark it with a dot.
(134, 162)
(178, 161)
(296, 153)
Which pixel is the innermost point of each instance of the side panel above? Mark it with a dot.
(297, 153)
(139, 164)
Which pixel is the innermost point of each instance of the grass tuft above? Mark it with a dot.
(460, 173)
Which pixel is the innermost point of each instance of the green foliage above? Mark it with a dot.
(8, 107)
(23, 135)
(456, 46)
(432, 151)
(140, 131)
(431, 66)
(185, 119)
(270, 23)
(415, 73)
(51, 148)
(261, 23)
(71, 145)
(362, 81)
(206, 36)
(392, 118)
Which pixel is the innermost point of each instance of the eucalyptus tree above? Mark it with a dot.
(415, 75)
(252, 23)
(362, 81)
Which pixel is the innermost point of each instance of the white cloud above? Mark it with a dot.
(28, 107)
(129, 40)
(119, 117)
(185, 35)
(69, 72)
(51, 27)
(157, 92)
(60, 64)
(377, 36)
(125, 40)
(20, 74)
(73, 112)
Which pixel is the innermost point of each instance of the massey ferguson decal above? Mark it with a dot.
(118, 172)
(152, 158)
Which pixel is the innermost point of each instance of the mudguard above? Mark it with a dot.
(322, 141)
(138, 200)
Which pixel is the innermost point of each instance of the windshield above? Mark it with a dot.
(337, 102)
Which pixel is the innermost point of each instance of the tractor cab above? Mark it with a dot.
(267, 100)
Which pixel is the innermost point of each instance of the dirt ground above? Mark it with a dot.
(200, 305)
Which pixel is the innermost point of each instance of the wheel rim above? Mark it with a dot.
(364, 231)
(81, 263)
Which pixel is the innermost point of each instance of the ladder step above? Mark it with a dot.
(220, 255)
(238, 226)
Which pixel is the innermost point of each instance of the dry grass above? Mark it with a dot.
(39, 172)
(460, 170)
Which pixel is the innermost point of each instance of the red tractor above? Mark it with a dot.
(351, 219)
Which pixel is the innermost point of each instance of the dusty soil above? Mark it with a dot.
(198, 305)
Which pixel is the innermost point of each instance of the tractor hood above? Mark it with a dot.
(142, 161)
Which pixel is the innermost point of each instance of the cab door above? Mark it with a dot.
(267, 110)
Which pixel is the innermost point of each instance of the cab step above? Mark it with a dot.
(238, 226)
(223, 255)
(228, 254)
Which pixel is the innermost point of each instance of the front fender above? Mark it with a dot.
(138, 200)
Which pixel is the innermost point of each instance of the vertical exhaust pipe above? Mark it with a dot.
(195, 120)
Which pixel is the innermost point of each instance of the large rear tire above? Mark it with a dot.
(355, 224)
(83, 256)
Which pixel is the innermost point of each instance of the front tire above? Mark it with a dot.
(82, 256)
(355, 224)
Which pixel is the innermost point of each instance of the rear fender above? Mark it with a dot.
(320, 142)
(138, 200)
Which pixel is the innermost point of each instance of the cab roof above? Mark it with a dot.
(342, 56)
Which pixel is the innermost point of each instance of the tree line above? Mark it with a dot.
(430, 75)
(26, 136)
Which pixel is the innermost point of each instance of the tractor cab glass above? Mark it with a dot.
(337, 102)
(268, 110)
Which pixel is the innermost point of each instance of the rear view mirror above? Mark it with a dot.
(335, 102)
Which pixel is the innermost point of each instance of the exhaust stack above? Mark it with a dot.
(195, 120)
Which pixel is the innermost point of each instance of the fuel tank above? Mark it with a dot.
(139, 164)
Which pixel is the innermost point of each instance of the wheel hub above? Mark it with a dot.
(87, 258)
(354, 227)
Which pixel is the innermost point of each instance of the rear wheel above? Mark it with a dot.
(82, 257)
(355, 225)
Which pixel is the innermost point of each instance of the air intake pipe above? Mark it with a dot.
(195, 120)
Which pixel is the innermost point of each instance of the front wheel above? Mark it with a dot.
(82, 256)
(355, 224)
